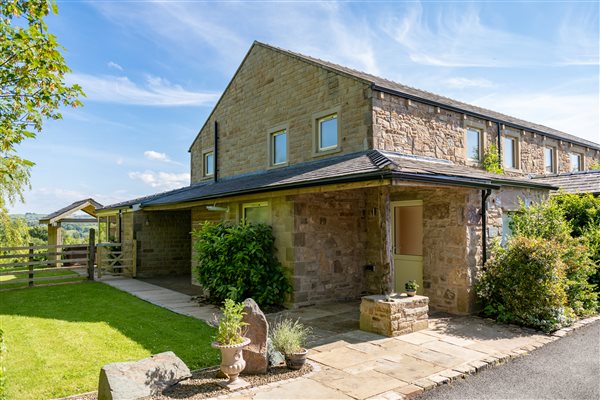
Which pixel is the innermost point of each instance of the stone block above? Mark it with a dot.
(136, 379)
(255, 353)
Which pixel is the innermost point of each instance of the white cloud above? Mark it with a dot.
(161, 180)
(114, 65)
(155, 92)
(119, 161)
(462, 83)
(155, 155)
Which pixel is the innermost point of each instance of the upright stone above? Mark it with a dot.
(255, 353)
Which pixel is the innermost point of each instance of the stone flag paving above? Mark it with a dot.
(352, 364)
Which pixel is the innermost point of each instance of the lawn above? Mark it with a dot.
(58, 337)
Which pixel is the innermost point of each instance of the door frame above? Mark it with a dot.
(404, 203)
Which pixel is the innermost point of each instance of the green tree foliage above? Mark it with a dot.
(237, 261)
(32, 86)
(491, 160)
(595, 166)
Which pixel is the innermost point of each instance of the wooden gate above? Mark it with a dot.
(116, 259)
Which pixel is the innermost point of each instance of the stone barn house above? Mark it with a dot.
(367, 183)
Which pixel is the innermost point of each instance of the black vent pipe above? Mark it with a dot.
(216, 151)
(484, 196)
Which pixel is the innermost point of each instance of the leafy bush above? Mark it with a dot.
(237, 261)
(581, 211)
(491, 160)
(231, 326)
(289, 337)
(525, 283)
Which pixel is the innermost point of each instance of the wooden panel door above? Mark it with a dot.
(407, 236)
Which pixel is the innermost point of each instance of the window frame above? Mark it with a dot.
(205, 155)
(480, 144)
(580, 161)
(255, 204)
(271, 133)
(316, 121)
(516, 151)
(554, 164)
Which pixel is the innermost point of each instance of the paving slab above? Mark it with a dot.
(340, 357)
(304, 388)
(410, 369)
(365, 384)
(416, 338)
(455, 351)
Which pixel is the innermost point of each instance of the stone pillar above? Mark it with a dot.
(387, 257)
(54, 239)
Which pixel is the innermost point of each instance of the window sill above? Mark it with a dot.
(326, 152)
(281, 165)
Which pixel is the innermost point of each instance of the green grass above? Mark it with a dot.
(58, 337)
(5, 279)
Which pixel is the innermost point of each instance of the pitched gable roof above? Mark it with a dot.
(89, 206)
(398, 89)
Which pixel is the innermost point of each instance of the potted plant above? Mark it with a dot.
(230, 340)
(288, 337)
(411, 288)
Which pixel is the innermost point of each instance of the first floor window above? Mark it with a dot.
(209, 163)
(549, 160)
(279, 147)
(576, 162)
(473, 144)
(327, 132)
(510, 153)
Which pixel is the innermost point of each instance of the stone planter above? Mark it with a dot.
(232, 363)
(296, 360)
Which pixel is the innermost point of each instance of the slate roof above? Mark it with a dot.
(379, 83)
(362, 166)
(71, 207)
(575, 182)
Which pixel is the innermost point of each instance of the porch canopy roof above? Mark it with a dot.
(574, 182)
(363, 166)
(89, 206)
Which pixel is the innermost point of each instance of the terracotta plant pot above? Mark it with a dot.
(232, 359)
(411, 293)
(296, 360)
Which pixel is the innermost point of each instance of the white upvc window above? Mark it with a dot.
(327, 132)
(279, 147)
(511, 152)
(550, 160)
(257, 212)
(209, 163)
(576, 162)
(474, 139)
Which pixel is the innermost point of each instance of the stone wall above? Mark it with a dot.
(416, 128)
(270, 90)
(163, 239)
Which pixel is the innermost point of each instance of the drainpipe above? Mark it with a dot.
(216, 151)
(484, 196)
(499, 144)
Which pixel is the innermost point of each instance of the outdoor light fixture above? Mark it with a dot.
(217, 208)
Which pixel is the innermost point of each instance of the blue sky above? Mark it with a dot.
(153, 70)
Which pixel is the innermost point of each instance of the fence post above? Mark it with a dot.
(91, 254)
(30, 259)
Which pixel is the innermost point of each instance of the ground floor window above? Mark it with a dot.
(507, 217)
(256, 212)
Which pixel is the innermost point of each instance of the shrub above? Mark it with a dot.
(525, 283)
(289, 337)
(237, 261)
(231, 326)
(491, 160)
(581, 211)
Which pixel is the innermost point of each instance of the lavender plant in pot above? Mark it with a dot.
(289, 337)
(230, 340)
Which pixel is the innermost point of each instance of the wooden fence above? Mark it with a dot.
(84, 261)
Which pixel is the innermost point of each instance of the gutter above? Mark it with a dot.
(478, 115)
